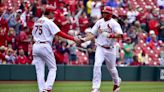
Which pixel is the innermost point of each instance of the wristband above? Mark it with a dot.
(111, 35)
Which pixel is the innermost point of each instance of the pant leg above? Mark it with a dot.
(110, 60)
(51, 63)
(99, 58)
(40, 70)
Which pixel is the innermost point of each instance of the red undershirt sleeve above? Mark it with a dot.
(64, 35)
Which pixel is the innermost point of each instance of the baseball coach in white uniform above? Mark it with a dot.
(43, 33)
(106, 30)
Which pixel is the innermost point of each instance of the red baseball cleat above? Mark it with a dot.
(116, 88)
(47, 91)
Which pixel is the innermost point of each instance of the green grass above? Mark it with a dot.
(82, 86)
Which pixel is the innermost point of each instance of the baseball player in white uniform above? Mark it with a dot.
(43, 33)
(106, 30)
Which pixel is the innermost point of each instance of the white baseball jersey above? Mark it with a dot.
(103, 54)
(110, 26)
(44, 30)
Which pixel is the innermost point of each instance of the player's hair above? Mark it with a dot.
(46, 12)
(44, 1)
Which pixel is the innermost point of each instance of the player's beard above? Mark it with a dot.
(107, 17)
(52, 19)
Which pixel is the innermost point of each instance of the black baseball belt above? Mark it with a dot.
(106, 47)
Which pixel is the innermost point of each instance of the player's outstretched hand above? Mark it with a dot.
(77, 40)
(82, 40)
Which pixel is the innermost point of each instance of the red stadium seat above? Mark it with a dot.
(162, 11)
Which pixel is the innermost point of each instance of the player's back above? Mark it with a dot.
(42, 30)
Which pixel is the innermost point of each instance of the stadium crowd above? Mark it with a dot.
(142, 22)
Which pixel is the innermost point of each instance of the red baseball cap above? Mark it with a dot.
(50, 8)
(107, 9)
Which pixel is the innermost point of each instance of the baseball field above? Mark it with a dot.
(81, 86)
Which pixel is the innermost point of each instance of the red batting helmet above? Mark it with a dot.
(50, 8)
(107, 9)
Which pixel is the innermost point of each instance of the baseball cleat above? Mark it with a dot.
(95, 90)
(47, 91)
(44, 91)
(116, 88)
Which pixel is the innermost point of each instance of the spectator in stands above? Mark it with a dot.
(5, 14)
(112, 3)
(10, 56)
(2, 55)
(65, 22)
(24, 40)
(72, 6)
(123, 3)
(30, 22)
(62, 17)
(161, 28)
(19, 25)
(22, 5)
(3, 21)
(65, 52)
(23, 16)
(135, 61)
(3, 35)
(62, 50)
(80, 5)
(52, 2)
(160, 4)
(3, 28)
(59, 13)
(39, 9)
(91, 52)
(10, 16)
(96, 10)
(162, 61)
(143, 58)
(125, 26)
(34, 8)
(128, 51)
(72, 52)
(142, 18)
(131, 15)
(149, 38)
(83, 22)
(132, 33)
(89, 7)
(137, 27)
(153, 25)
(118, 54)
(11, 38)
(149, 16)
(74, 23)
(137, 31)
(21, 58)
(152, 40)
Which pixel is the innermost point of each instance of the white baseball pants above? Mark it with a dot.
(109, 55)
(43, 54)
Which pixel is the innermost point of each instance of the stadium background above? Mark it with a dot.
(140, 54)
